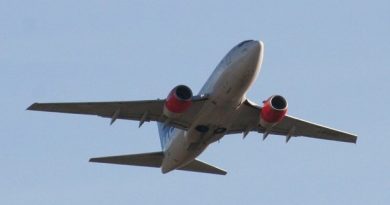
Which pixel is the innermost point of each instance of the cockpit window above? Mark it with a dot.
(242, 43)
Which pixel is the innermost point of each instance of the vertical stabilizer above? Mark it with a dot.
(166, 133)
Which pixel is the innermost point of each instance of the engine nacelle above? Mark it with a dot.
(273, 111)
(178, 101)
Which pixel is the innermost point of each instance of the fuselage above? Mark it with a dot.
(187, 124)
(226, 89)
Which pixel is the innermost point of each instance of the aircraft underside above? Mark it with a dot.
(188, 124)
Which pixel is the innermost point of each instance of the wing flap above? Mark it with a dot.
(199, 166)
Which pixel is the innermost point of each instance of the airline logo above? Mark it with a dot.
(166, 134)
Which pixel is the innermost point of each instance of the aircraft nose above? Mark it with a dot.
(254, 52)
(255, 47)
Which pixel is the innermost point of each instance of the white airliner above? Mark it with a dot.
(187, 124)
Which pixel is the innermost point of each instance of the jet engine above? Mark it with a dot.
(273, 111)
(178, 101)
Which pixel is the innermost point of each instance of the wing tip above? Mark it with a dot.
(33, 106)
(223, 172)
(97, 160)
(355, 140)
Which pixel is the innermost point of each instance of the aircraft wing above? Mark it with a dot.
(143, 111)
(249, 117)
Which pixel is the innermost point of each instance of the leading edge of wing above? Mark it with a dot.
(93, 108)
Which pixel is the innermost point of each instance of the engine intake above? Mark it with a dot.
(178, 101)
(273, 111)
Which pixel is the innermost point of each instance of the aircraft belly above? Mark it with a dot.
(187, 145)
(217, 114)
(179, 154)
(226, 89)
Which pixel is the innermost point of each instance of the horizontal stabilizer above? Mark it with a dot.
(153, 159)
(199, 166)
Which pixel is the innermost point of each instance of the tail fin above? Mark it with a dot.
(165, 132)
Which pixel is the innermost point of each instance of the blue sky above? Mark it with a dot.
(330, 59)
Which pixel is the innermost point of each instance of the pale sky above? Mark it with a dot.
(330, 59)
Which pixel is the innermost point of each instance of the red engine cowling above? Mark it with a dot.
(178, 101)
(273, 111)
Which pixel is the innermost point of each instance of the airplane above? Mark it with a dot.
(188, 123)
